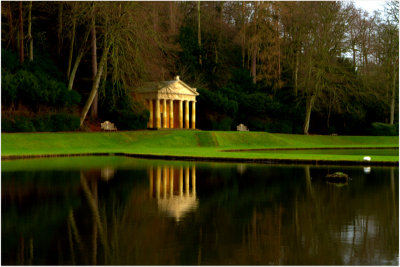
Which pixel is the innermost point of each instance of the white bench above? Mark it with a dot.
(108, 126)
(241, 127)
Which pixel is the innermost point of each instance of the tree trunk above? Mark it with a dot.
(21, 35)
(172, 23)
(199, 31)
(310, 99)
(392, 104)
(95, 86)
(243, 35)
(105, 64)
(216, 57)
(328, 116)
(310, 104)
(74, 70)
(11, 26)
(94, 110)
(278, 78)
(255, 45)
(366, 61)
(60, 27)
(30, 31)
(296, 71)
(71, 47)
(254, 64)
(77, 61)
(155, 19)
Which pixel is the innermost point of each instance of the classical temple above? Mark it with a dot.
(172, 104)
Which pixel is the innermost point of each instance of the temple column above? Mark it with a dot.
(158, 119)
(150, 125)
(193, 180)
(187, 181)
(186, 114)
(180, 113)
(164, 113)
(193, 115)
(171, 114)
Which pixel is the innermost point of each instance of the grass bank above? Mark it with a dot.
(195, 144)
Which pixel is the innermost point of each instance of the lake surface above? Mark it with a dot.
(127, 211)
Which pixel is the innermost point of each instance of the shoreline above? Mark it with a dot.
(214, 159)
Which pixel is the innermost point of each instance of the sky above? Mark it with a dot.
(370, 5)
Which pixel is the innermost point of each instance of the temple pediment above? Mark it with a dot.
(175, 86)
(178, 87)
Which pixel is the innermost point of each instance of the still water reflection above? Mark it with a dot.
(117, 210)
(167, 188)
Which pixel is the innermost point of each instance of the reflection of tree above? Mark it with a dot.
(33, 207)
(316, 226)
(91, 194)
(22, 254)
(340, 226)
(137, 235)
(73, 231)
(93, 204)
(308, 181)
(262, 238)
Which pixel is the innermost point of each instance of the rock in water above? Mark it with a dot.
(337, 177)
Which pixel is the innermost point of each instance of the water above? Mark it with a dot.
(127, 211)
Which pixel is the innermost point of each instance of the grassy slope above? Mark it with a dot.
(188, 143)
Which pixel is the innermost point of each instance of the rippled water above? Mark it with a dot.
(126, 211)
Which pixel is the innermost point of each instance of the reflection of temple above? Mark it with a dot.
(107, 173)
(174, 188)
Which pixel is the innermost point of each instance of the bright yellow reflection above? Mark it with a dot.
(174, 188)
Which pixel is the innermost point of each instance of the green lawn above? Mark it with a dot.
(195, 144)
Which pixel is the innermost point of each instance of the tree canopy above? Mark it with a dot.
(297, 67)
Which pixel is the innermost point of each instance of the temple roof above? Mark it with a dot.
(172, 86)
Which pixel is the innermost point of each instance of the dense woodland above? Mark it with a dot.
(290, 67)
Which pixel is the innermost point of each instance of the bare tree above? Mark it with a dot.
(21, 35)
(30, 38)
(60, 27)
(78, 13)
(322, 48)
(94, 62)
(8, 10)
(134, 50)
(393, 51)
(199, 30)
